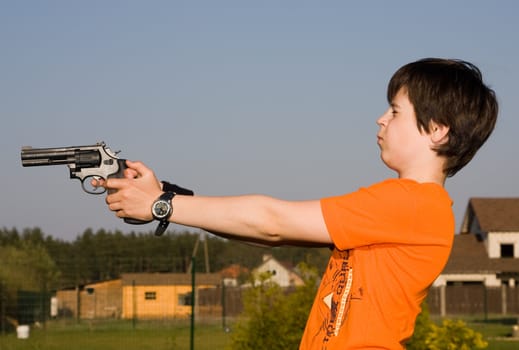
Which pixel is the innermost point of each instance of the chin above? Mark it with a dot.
(388, 164)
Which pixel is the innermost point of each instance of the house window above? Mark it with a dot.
(150, 295)
(185, 299)
(464, 283)
(507, 250)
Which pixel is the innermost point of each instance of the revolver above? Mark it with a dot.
(87, 163)
(84, 162)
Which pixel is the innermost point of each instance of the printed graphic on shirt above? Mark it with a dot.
(335, 294)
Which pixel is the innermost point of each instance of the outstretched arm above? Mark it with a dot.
(253, 218)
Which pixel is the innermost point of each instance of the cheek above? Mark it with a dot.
(399, 145)
(404, 136)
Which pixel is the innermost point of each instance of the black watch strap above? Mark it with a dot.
(164, 223)
(167, 187)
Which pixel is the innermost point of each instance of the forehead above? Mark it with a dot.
(401, 98)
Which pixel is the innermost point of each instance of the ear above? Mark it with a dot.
(439, 133)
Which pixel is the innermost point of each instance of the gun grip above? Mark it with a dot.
(120, 174)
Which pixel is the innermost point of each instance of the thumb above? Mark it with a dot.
(130, 173)
(137, 169)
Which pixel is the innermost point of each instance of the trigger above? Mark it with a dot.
(90, 185)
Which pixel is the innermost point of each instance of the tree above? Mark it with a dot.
(274, 319)
(26, 267)
(9, 237)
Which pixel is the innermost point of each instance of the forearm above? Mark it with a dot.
(251, 218)
(255, 218)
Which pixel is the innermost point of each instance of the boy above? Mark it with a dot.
(390, 240)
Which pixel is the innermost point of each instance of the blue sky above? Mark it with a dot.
(232, 97)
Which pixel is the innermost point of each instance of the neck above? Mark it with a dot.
(423, 174)
(440, 180)
(427, 172)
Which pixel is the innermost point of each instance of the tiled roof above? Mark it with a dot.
(470, 256)
(494, 214)
(163, 279)
(233, 271)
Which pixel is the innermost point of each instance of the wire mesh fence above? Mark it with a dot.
(152, 308)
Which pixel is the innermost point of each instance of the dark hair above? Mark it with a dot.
(449, 92)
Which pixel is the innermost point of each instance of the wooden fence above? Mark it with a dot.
(473, 299)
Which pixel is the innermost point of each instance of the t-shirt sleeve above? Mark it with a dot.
(386, 212)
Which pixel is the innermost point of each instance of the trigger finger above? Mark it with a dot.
(97, 181)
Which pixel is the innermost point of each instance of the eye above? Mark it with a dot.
(394, 109)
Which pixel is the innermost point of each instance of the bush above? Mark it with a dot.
(450, 335)
(454, 335)
(274, 319)
(423, 327)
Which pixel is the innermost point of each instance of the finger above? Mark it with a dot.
(130, 173)
(139, 167)
(113, 197)
(109, 200)
(97, 182)
(143, 171)
(115, 183)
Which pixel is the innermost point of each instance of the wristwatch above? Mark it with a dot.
(162, 210)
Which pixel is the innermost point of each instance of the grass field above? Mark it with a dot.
(120, 335)
(497, 331)
(176, 335)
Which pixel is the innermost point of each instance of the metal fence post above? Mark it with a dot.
(192, 335)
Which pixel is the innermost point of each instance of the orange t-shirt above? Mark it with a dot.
(391, 241)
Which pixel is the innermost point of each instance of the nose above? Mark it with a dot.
(382, 120)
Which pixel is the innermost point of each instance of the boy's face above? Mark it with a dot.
(402, 144)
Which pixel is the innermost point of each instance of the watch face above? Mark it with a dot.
(161, 209)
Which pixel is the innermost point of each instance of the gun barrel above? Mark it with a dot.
(54, 156)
